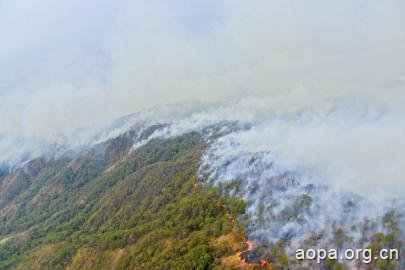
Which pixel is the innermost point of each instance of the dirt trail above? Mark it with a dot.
(236, 260)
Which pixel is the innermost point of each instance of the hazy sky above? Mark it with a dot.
(67, 63)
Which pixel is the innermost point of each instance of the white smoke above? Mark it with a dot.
(347, 152)
(16, 150)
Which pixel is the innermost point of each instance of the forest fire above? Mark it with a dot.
(251, 255)
(264, 262)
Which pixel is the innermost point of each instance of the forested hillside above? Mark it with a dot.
(111, 207)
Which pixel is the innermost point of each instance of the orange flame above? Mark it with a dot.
(264, 262)
(250, 245)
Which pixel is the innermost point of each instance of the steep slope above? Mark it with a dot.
(111, 207)
(184, 196)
